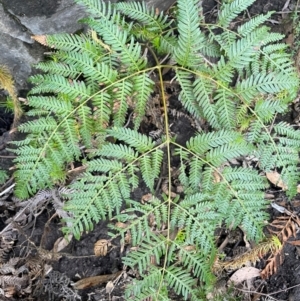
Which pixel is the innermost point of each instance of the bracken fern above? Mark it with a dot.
(232, 82)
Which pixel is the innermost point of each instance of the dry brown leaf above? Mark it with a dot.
(217, 176)
(109, 287)
(95, 280)
(275, 178)
(189, 248)
(42, 39)
(272, 265)
(165, 188)
(61, 243)
(101, 247)
(146, 198)
(284, 227)
(121, 225)
(243, 274)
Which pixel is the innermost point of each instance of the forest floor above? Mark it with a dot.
(40, 240)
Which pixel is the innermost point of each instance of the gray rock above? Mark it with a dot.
(19, 20)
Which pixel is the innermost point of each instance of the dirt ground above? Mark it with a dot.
(77, 260)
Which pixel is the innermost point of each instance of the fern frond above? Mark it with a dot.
(50, 83)
(125, 48)
(181, 282)
(150, 167)
(86, 124)
(139, 12)
(197, 263)
(229, 11)
(225, 39)
(99, 73)
(50, 103)
(202, 90)
(142, 88)
(97, 8)
(142, 143)
(225, 108)
(266, 109)
(117, 151)
(231, 84)
(286, 129)
(74, 43)
(190, 37)
(39, 126)
(154, 246)
(263, 83)
(122, 90)
(204, 142)
(242, 52)
(147, 287)
(253, 23)
(62, 69)
(186, 95)
(95, 197)
(166, 43)
(102, 111)
(104, 165)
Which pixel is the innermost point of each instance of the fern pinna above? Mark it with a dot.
(89, 105)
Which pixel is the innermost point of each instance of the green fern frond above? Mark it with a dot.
(139, 12)
(197, 263)
(190, 37)
(225, 108)
(150, 167)
(123, 47)
(147, 287)
(59, 68)
(186, 95)
(52, 104)
(202, 90)
(86, 124)
(266, 109)
(181, 282)
(142, 143)
(229, 11)
(97, 8)
(154, 246)
(166, 43)
(225, 39)
(117, 151)
(100, 73)
(73, 43)
(50, 82)
(201, 143)
(102, 111)
(242, 52)
(121, 91)
(39, 126)
(3, 176)
(91, 105)
(142, 88)
(249, 26)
